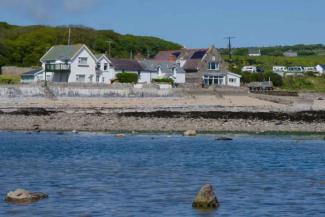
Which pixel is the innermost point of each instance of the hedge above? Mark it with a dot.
(126, 77)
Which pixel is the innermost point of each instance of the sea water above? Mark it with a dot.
(91, 174)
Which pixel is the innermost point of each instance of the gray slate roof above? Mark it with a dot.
(166, 67)
(32, 72)
(62, 52)
(126, 65)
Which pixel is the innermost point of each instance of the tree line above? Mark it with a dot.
(25, 45)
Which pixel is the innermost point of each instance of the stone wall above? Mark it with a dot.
(120, 90)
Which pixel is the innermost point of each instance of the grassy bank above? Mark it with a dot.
(9, 79)
(316, 84)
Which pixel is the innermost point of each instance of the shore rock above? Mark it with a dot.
(21, 196)
(190, 133)
(205, 198)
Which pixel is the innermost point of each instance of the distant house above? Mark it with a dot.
(310, 69)
(154, 69)
(253, 52)
(320, 69)
(251, 69)
(198, 64)
(33, 76)
(290, 54)
(280, 70)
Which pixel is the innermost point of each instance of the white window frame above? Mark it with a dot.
(213, 63)
(79, 76)
(83, 61)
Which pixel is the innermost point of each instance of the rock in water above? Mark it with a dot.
(21, 196)
(206, 198)
(190, 133)
(120, 135)
(224, 139)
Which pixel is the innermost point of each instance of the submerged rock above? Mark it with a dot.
(190, 133)
(205, 198)
(21, 196)
(224, 139)
(120, 135)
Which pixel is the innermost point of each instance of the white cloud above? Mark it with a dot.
(47, 9)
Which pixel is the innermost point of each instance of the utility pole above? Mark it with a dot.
(109, 47)
(69, 38)
(148, 53)
(131, 55)
(229, 38)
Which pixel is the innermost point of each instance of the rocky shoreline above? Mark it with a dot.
(167, 120)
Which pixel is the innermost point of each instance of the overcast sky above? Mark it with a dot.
(192, 23)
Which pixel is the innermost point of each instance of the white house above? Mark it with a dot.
(105, 72)
(254, 52)
(320, 69)
(280, 70)
(310, 69)
(221, 79)
(156, 69)
(252, 69)
(70, 63)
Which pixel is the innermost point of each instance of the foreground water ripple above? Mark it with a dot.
(158, 175)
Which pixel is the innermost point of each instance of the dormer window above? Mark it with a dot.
(213, 66)
(98, 66)
(105, 66)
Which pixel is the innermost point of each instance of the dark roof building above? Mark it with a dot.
(126, 65)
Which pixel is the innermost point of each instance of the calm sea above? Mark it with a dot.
(158, 175)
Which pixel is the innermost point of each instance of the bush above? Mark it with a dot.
(126, 77)
(7, 79)
(164, 80)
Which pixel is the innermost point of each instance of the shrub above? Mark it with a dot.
(7, 79)
(126, 77)
(164, 80)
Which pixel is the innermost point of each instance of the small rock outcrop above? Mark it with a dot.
(190, 133)
(21, 196)
(206, 198)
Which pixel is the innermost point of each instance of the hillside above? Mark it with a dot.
(24, 45)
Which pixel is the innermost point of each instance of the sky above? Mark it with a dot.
(192, 23)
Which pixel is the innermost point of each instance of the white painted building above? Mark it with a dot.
(221, 79)
(70, 63)
(251, 69)
(105, 72)
(156, 69)
(310, 69)
(320, 69)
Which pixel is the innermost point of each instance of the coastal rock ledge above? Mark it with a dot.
(21, 196)
(206, 198)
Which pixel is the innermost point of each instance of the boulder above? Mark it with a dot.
(205, 198)
(21, 196)
(190, 133)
